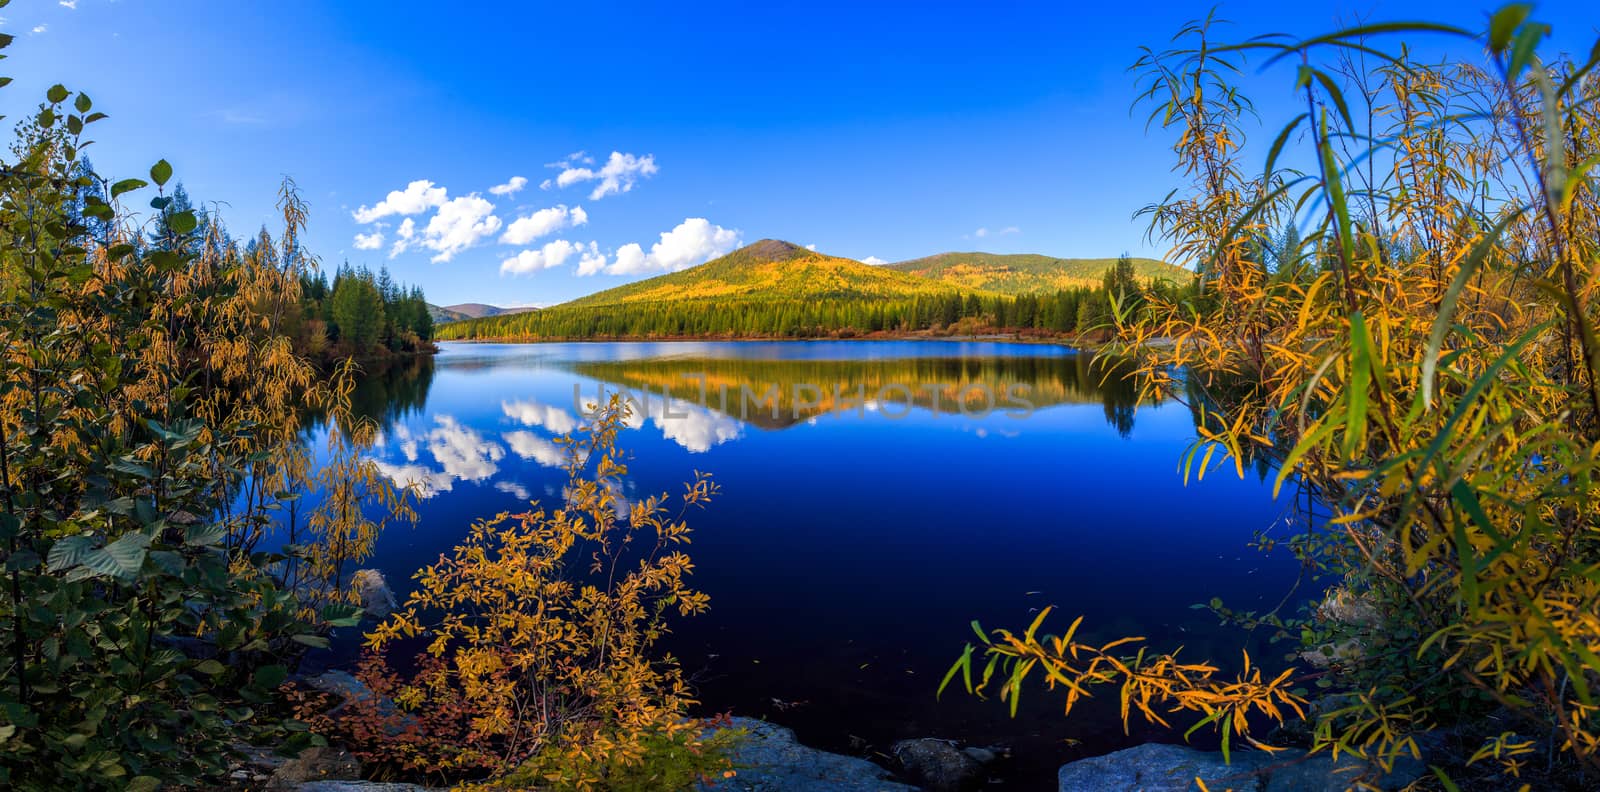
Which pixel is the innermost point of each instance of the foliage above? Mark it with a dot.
(366, 314)
(1420, 356)
(150, 408)
(1145, 683)
(539, 634)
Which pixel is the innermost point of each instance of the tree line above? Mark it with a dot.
(359, 314)
(1062, 312)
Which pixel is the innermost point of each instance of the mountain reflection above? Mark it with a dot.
(780, 393)
(700, 401)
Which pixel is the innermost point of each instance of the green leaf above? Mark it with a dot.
(210, 667)
(69, 552)
(314, 641)
(1504, 23)
(341, 614)
(82, 104)
(127, 185)
(270, 676)
(1355, 417)
(57, 94)
(143, 784)
(161, 172)
(1522, 49)
(120, 559)
(205, 534)
(183, 222)
(1447, 305)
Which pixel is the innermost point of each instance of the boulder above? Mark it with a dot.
(377, 599)
(769, 759)
(1163, 768)
(939, 766)
(359, 786)
(318, 763)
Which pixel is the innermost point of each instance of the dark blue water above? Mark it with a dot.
(854, 541)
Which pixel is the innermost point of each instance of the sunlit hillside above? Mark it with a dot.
(769, 270)
(1028, 273)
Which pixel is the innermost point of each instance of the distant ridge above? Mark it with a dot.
(463, 311)
(1025, 273)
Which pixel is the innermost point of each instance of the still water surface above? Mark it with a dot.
(864, 526)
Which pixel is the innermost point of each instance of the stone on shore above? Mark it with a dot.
(769, 759)
(1174, 768)
(939, 766)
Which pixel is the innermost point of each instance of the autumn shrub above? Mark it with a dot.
(1397, 312)
(539, 635)
(151, 404)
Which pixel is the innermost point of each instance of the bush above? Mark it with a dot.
(1408, 334)
(539, 635)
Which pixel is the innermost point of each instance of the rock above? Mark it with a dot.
(1174, 768)
(1320, 773)
(358, 786)
(938, 765)
(1159, 768)
(982, 755)
(315, 764)
(377, 599)
(341, 685)
(769, 759)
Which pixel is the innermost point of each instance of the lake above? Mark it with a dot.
(864, 523)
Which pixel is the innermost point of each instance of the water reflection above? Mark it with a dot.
(784, 392)
(460, 452)
(866, 520)
(700, 396)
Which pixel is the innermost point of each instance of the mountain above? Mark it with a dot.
(768, 271)
(461, 311)
(1024, 273)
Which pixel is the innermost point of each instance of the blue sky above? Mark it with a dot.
(882, 130)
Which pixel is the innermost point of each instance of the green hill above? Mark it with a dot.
(768, 289)
(767, 271)
(1027, 273)
(775, 289)
(442, 314)
(464, 311)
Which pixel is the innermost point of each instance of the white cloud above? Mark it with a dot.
(40, 29)
(531, 446)
(553, 254)
(572, 160)
(532, 413)
(592, 261)
(459, 224)
(418, 197)
(404, 234)
(874, 261)
(692, 242)
(72, 4)
(511, 187)
(462, 452)
(371, 241)
(983, 232)
(427, 482)
(545, 221)
(812, 247)
(513, 488)
(690, 425)
(617, 176)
